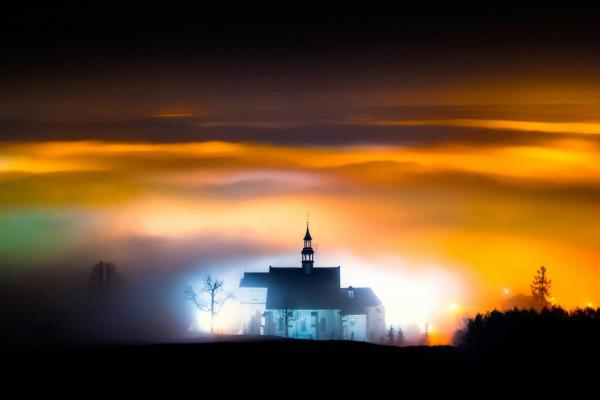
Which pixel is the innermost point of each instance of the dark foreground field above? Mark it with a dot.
(281, 367)
(254, 356)
(503, 348)
(243, 354)
(233, 360)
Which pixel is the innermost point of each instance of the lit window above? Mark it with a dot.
(352, 322)
(351, 293)
(303, 324)
(313, 319)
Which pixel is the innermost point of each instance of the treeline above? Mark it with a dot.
(528, 334)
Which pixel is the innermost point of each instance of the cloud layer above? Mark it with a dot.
(486, 213)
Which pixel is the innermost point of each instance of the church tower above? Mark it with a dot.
(307, 253)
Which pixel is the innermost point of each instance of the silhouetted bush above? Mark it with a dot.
(518, 335)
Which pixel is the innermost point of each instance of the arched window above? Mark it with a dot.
(323, 324)
(281, 327)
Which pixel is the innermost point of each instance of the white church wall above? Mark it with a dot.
(307, 324)
(375, 324)
(354, 327)
(253, 302)
(329, 324)
(303, 326)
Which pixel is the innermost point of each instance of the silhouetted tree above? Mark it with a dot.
(214, 289)
(288, 316)
(425, 338)
(540, 287)
(391, 335)
(518, 335)
(103, 276)
(399, 337)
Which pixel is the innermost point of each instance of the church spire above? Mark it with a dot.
(307, 236)
(307, 252)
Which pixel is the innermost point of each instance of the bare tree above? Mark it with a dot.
(288, 316)
(540, 287)
(103, 276)
(216, 299)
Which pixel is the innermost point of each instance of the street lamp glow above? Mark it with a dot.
(453, 307)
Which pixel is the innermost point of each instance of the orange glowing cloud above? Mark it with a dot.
(482, 218)
(585, 128)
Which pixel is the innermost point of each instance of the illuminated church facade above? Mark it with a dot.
(307, 302)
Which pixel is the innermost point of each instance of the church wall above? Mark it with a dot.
(253, 302)
(363, 327)
(308, 324)
(354, 327)
(375, 324)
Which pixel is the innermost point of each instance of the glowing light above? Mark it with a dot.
(408, 300)
(506, 291)
(227, 321)
(589, 304)
(453, 308)
(413, 295)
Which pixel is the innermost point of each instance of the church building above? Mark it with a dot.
(307, 302)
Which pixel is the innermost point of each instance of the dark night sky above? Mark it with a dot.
(280, 73)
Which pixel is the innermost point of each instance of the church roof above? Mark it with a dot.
(362, 298)
(255, 279)
(292, 288)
